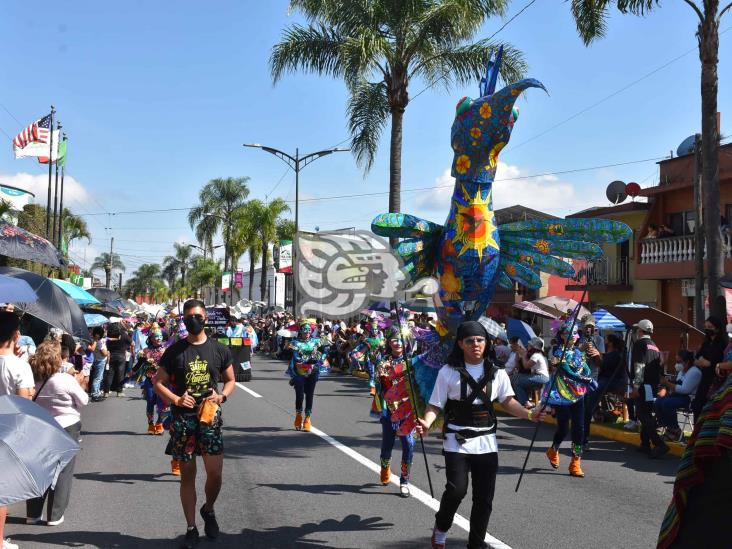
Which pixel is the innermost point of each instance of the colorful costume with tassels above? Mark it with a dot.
(304, 370)
(144, 372)
(393, 406)
(366, 355)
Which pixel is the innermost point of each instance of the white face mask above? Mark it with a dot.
(679, 367)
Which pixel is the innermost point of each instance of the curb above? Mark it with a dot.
(631, 438)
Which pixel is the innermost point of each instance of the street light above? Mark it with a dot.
(297, 163)
(204, 250)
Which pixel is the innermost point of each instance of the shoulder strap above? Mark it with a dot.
(38, 392)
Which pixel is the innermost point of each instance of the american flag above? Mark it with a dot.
(38, 132)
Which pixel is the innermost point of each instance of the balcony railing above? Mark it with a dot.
(604, 272)
(677, 249)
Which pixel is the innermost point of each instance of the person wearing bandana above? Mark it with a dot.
(304, 372)
(465, 389)
(194, 366)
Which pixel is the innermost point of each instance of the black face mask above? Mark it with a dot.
(710, 333)
(194, 324)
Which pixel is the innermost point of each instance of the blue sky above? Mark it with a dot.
(157, 98)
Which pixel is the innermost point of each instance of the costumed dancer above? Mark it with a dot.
(469, 445)
(573, 380)
(393, 407)
(145, 370)
(304, 372)
(368, 352)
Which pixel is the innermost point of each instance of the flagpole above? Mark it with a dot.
(55, 190)
(50, 172)
(61, 201)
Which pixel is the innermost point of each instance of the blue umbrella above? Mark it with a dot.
(33, 449)
(95, 319)
(607, 321)
(16, 290)
(519, 328)
(80, 295)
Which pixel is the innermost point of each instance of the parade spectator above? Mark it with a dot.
(646, 361)
(16, 378)
(62, 396)
(652, 231)
(538, 373)
(610, 378)
(514, 357)
(677, 394)
(502, 350)
(707, 357)
(98, 348)
(118, 344)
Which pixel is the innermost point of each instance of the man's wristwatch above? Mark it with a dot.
(223, 398)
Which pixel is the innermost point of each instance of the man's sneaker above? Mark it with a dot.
(120, 394)
(659, 451)
(7, 545)
(191, 539)
(631, 425)
(31, 520)
(210, 526)
(55, 522)
(96, 398)
(404, 490)
(438, 539)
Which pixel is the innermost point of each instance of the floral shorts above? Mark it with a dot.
(190, 438)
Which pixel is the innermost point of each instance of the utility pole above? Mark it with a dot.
(111, 262)
(698, 236)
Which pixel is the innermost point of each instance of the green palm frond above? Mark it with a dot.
(368, 112)
(315, 49)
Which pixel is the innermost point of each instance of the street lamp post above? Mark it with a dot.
(297, 163)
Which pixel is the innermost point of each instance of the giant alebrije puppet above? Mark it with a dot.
(470, 254)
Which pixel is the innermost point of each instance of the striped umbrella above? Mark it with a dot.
(607, 321)
(492, 327)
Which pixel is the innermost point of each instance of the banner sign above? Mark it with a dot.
(218, 318)
(285, 257)
(226, 281)
(238, 279)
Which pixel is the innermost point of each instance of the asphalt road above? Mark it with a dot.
(284, 488)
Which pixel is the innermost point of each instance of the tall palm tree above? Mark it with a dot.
(105, 262)
(219, 200)
(591, 19)
(378, 47)
(204, 273)
(181, 260)
(267, 217)
(170, 271)
(246, 238)
(146, 279)
(74, 227)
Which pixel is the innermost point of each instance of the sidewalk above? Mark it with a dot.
(616, 433)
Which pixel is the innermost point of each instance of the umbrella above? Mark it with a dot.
(519, 328)
(558, 306)
(529, 307)
(33, 449)
(492, 327)
(16, 290)
(420, 305)
(53, 307)
(21, 244)
(380, 306)
(79, 295)
(606, 321)
(668, 331)
(95, 319)
(105, 295)
(105, 310)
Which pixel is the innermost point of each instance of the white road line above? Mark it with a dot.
(248, 390)
(418, 494)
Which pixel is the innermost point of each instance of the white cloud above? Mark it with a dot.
(74, 192)
(546, 193)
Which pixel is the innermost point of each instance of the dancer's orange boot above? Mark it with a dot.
(575, 467)
(553, 456)
(175, 467)
(307, 424)
(298, 421)
(151, 429)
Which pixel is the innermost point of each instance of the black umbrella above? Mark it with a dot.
(21, 244)
(105, 295)
(53, 307)
(105, 310)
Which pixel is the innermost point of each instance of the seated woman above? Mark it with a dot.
(539, 373)
(677, 394)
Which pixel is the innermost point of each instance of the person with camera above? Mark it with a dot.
(194, 366)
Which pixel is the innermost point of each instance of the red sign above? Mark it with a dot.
(238, 279)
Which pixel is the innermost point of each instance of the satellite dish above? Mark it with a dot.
(616, 192)
(686, 147)
(632, 189)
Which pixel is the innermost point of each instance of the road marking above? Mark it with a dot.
(418, 494)
(248, 390)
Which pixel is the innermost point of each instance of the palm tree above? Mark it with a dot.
(181, 261)
(591, 20)
(219, 200)
(246, 238)
(145, 279)
(286, 229)
(204, 273)
(74, 227)
(105, 262)
(378, 47)
(267, 217)
(170, 271)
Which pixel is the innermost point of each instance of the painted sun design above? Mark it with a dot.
(542, 246)
(476, 227)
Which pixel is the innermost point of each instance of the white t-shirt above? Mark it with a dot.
(63, 397)
(539, 365)
(447, 387)
(15, 374)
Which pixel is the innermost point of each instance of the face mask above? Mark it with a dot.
(710, 333)
(194, 324)
(679, 367)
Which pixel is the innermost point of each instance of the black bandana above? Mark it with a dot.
(471, 328)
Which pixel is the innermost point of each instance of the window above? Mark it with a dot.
(682, 223)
